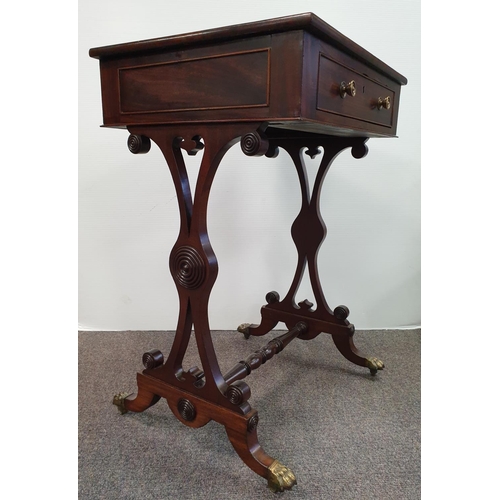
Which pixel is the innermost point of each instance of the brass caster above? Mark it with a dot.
(280, 478)
(374, 364)
(119, 401)
(244, 329)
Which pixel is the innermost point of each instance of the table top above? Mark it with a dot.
(295, 72)
(308, 22)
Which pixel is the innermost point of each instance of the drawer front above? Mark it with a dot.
(364, 105)
(237, 80)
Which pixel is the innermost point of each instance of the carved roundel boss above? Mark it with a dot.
(187, 267)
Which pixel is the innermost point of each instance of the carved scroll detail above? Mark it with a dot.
(152, 359)
(254, 144)
(138, 144)
(238, 392)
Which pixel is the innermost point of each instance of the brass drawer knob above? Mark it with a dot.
(348, 89)
(384, 103)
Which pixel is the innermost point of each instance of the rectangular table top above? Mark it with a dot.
(295, 72)
(307, 21)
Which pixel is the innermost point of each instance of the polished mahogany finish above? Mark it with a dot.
(293, 84)
(287, 72)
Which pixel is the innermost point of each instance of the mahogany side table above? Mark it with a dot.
(292, 83)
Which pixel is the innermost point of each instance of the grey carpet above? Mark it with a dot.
(346, 435)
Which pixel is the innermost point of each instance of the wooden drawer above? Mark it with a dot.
(363, 105)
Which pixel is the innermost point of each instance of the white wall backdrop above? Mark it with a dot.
(128, 218)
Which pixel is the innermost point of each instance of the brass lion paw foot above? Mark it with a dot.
(280, 478)
(119, 401)
(244, 328)
(374, 364)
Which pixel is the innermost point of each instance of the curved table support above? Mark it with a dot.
(308, 233)
(200, 394)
